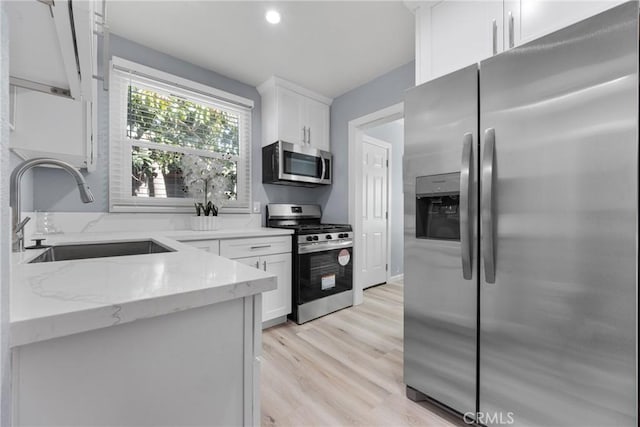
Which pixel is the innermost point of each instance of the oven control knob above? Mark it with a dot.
(329, 237)
(315, 237)
(309, 238)
(341, 235)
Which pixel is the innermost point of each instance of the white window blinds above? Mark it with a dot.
(155, 120)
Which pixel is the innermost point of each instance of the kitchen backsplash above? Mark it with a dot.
(87, 222)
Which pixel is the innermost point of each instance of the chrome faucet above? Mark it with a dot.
(17, 238)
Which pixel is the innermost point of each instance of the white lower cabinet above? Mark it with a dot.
(276, 303)
(199, 366)
(271, 254)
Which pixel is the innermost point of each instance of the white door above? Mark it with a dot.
(375, 180)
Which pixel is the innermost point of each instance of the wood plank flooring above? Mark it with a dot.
(344, 369)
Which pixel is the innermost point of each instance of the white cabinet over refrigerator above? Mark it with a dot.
(452, 34)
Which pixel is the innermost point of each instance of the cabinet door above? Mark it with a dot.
(539, 17)
(317, 120)
(460, 33)
(290, 117)
(277, 303)
(253, 261)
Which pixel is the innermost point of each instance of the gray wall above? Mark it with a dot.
(393, 133)
(379, 93)
(54, 191)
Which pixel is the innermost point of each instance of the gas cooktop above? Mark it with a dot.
(304, 219)
(316, 228)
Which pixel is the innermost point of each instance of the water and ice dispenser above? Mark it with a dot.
(438, 207)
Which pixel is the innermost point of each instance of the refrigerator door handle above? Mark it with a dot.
(465, 204)
(486, 212)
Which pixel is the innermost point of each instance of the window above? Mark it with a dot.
(155, 120)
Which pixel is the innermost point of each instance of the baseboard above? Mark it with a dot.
(272, 322)
(397, 279)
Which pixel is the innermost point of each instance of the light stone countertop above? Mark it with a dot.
(55, 299)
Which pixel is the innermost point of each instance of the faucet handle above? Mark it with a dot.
(38, 244)
(22, 223)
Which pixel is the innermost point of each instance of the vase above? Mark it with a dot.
(204, 223)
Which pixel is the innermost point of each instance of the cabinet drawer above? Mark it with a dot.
(241, 248)
(206, 245)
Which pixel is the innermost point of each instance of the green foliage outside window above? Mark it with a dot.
(176, 122)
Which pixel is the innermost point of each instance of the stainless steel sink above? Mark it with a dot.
(100, 250)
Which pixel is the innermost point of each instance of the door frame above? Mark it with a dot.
(356, 128)
(389, 149)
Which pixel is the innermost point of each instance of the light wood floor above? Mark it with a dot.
(344, 369)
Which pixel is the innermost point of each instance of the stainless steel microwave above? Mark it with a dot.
(285, 163)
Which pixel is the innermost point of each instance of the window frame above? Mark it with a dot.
(120, 199)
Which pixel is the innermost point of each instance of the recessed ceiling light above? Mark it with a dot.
(272, 16)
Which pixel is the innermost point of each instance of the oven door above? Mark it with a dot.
(323, 273)
(304, 164)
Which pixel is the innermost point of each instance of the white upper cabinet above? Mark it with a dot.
(317, 120)
(452, 34)
(294, 114)
(535, 18)
(289, 118)
(52, 58)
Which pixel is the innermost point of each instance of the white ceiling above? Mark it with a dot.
(330, 47)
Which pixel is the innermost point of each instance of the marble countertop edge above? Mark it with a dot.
(51, 300)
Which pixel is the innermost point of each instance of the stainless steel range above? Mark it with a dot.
(322, 276)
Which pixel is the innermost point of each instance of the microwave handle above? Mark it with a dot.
(324, 167)
(273, 161)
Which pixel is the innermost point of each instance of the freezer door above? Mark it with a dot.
(440, 317)
(558, 319)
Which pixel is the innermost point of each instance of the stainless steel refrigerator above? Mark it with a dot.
(521, 231)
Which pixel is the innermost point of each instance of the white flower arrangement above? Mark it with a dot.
(204, 181)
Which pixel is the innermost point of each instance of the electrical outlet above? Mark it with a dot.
(256, 207)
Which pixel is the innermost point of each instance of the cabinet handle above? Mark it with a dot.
(511, 38)
(257, 264)
(494, 27)
(260, 246)
(264, 265)
(309, 135)
(304, 134)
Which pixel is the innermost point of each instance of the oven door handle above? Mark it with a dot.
(309, 248)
